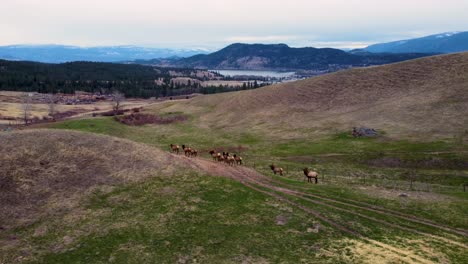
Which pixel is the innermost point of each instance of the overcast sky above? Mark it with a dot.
(215, 23)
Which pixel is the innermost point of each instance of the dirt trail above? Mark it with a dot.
(274, 188)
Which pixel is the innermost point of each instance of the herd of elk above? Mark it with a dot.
(237, 160)
(189, 152)
(226, 157)
(309, 174)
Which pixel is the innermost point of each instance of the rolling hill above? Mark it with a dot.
(71, 196)
(48, 171)
(283, 57)
(427, 96)
(440, 43)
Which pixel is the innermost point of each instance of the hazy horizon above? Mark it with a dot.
(210, 24)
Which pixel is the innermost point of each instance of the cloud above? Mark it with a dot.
(340, 44)
(263, 39)
(216, 22)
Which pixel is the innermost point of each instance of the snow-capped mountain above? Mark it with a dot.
(448, 42)
(63, 53)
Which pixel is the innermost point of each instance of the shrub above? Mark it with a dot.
(137, 119)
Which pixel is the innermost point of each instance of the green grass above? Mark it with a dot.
(440, 162)
(188, 216)
(343, 161)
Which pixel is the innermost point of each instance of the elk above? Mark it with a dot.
(276, 169)
(309, 174)
(219, 157)
(214, 155)
(187, 150)
(193, 152)
(238, 159)
(175, 148)
(230, 160)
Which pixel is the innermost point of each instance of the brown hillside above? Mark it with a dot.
(47, 172)
(424, 96)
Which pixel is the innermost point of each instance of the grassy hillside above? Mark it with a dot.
(423, 98)
(70, 197)
(396, 198)
(105, 199)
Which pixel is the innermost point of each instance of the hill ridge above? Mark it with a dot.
(427, 95)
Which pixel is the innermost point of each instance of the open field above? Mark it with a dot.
(11, 106)
(395, 198)
(172, 211)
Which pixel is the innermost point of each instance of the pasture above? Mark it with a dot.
(422, 180)
(394, 198)
(12, 111)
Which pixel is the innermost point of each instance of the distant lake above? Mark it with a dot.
(254, 73)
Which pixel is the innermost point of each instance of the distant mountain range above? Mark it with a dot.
(246, 56)
(441, 43)
(61, 53)
(282, 57)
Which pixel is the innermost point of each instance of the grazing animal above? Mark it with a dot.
(276, 169)
(214, 155)
(187, 150)
(175, 148)
(193, 152)
(309, 174)
(238, 159)
(230, 160)
(220, 157)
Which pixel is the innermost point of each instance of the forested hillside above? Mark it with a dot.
(131, 79)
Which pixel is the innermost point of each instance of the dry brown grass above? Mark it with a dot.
(47, 172)
(223, 83)
(426, 96)
(11, 106)
(378, 253)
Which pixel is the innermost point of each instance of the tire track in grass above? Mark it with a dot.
(303, 196)
(248, 177)
(378, 209)
(404, 254)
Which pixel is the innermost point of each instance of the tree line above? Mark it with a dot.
(132, 80)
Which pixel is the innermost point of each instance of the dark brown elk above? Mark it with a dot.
(187, 150)
(214, 155)
(238, 159)
(193, 152)
(309, 174)
(276, 169)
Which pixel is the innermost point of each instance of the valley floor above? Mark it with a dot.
(379, 200)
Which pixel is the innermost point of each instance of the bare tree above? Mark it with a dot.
(117, 99)
(411, 176)
(26, 106)
(51, 101)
